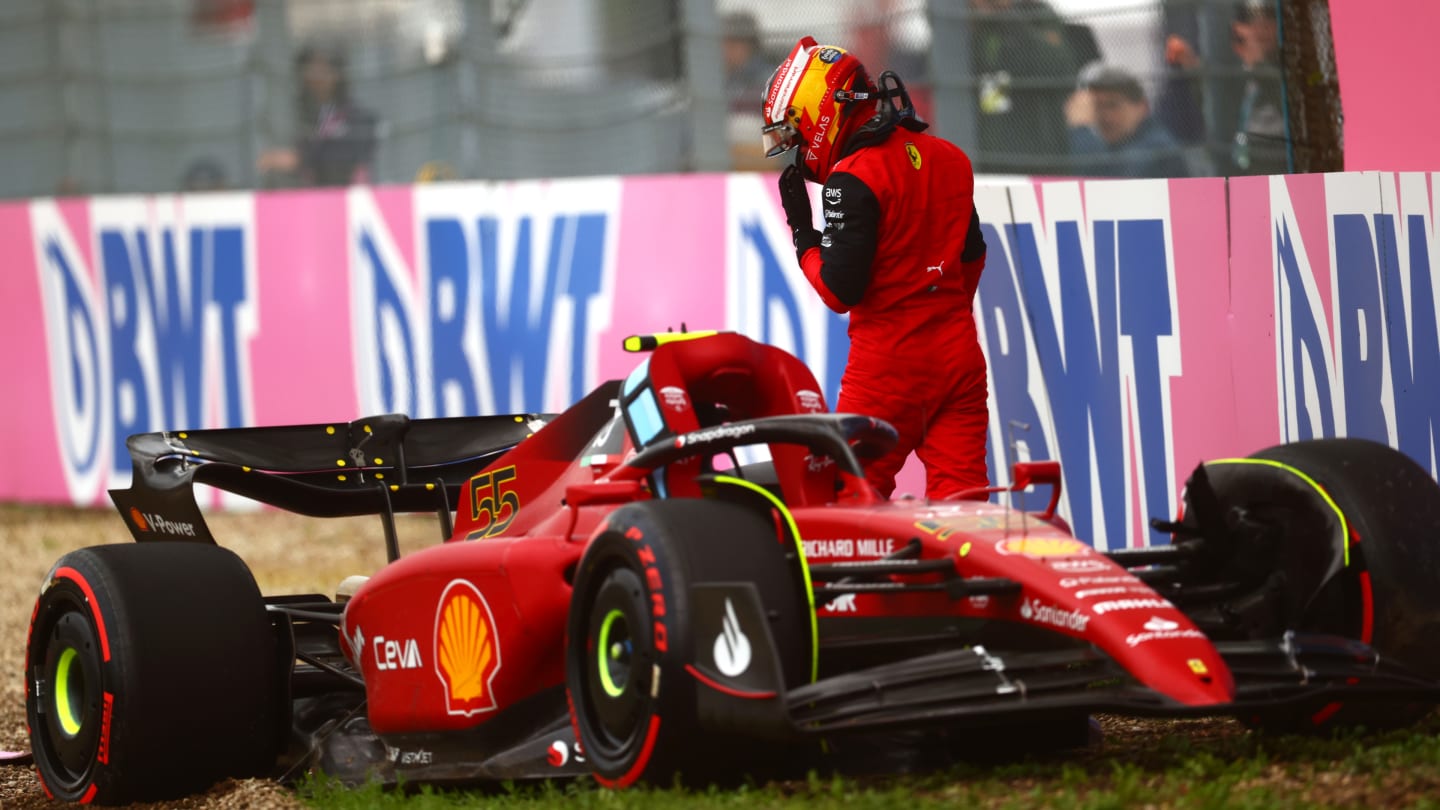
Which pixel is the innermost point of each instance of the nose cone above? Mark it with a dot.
(1166, 652)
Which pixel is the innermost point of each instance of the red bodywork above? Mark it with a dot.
(447, 636)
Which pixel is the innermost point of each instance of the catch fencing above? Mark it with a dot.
(146, 96)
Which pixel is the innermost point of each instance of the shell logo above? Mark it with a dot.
(467, 649)
(138, 518)
(1041, 546)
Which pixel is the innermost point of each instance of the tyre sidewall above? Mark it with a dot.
(1392, 507)
(191, 674)
(64, 598)
(633, 539)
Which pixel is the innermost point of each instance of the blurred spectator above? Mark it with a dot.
(337, 142)
(873, 28)
(747, 73)
(222, 16)
(1250, 117)
(1260, 145)
(1178, 105)
(746, 69)
(436, 171)
(1026, 65)
(69, 186)
(205, 174)
(1112, 133)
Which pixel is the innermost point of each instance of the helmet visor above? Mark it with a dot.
(779, 138)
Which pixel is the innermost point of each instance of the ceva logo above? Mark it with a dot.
(396, 653)
(467, 649)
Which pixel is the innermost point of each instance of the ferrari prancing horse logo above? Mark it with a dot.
(914, 154)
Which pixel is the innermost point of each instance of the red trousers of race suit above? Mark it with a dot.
(902, 252)
(936, 397)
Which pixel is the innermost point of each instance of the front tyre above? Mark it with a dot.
(630, 640)
(150, 673)
(1358, 552)
(631, 701)
(621, 667)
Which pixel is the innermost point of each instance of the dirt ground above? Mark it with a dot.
(287, 553)
(291, 554)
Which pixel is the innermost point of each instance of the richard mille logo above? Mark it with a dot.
(732, 648)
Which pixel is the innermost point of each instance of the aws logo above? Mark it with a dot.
(467, 649)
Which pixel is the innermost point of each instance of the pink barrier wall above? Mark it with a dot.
(1384, 57)
(1136, 327)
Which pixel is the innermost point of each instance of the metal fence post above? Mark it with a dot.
(951, 66)
(709, 146)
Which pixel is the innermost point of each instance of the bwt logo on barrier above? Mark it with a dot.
(1079, 312)
(1081, 331)
(767, 296)
(1368, 365)
(155, 336)
(504, 311)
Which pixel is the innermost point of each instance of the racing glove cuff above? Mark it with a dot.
(804, 238)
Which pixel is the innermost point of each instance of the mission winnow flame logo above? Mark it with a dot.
(467, 649)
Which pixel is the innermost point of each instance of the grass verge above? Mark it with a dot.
(1170, 768)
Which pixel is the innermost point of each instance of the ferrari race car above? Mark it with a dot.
(685, 573)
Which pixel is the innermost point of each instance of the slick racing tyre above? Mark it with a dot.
(630, 634)
(1373, 574)
(150, 673)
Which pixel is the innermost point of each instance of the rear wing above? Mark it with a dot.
(377, 465)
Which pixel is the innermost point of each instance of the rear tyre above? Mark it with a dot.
(151, 673)
(629, 636)
(1389, 593)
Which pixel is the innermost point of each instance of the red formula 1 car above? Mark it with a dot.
(620, 594)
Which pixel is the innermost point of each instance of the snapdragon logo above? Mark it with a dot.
(714, 434)
(1033, 610)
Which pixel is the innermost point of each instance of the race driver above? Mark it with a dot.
(901, 251)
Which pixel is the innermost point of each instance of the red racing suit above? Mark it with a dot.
(902, 252)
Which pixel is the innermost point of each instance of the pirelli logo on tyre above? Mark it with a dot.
(467, 649)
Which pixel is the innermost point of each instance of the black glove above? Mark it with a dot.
(796, 201)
